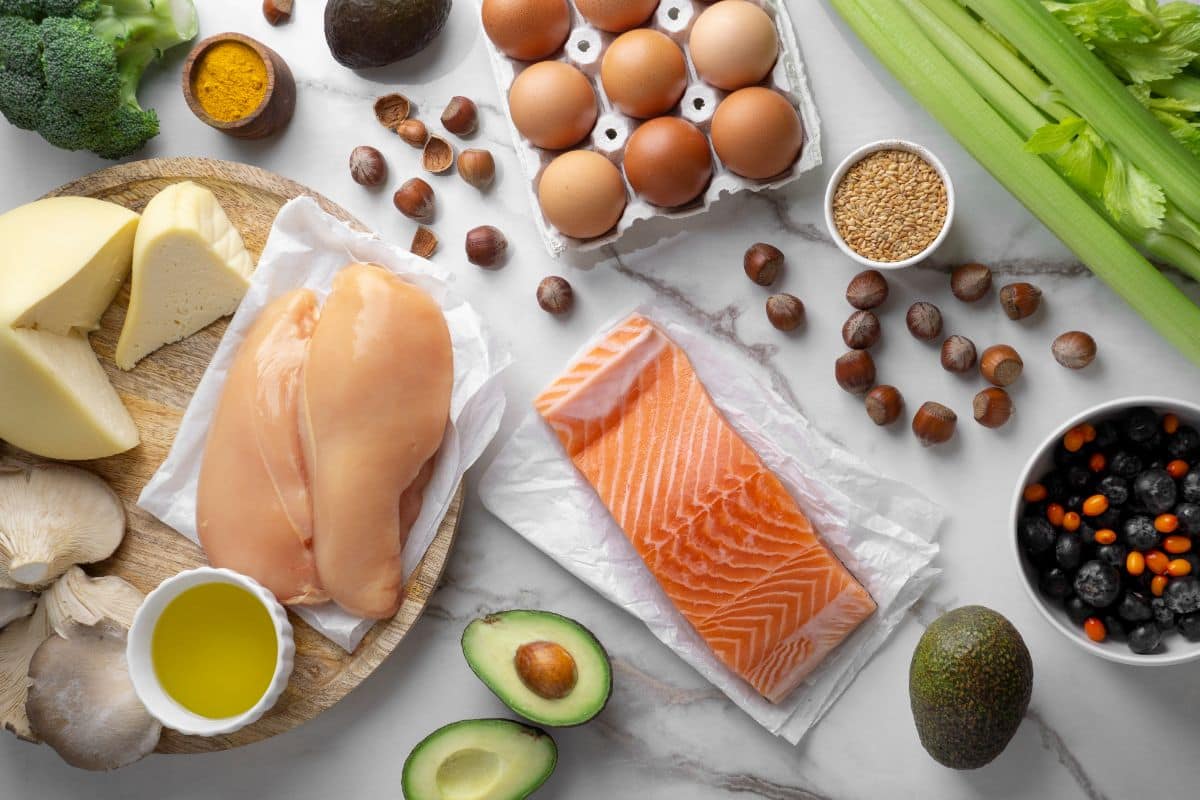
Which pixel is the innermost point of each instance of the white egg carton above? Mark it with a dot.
(585, 49)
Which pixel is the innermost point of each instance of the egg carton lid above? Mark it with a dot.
(788, 77)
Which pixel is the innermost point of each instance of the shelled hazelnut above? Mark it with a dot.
(762, 263)
(970, 282)
(555, 295)
(1020, 300)
(1000, 365)
(934, 424)
(992, 407)
(486, 246)
(414, 132)
(924, 321)
(461, 116)
(855, 371)
(868, 289)
(1074, 349)
(367, 166)
(884, 404)
(414, 199)
(861, 330)
(958, 354)
(785, 311)
(477, 167)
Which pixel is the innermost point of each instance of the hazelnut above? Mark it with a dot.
(367, 166)
(277, 12)
(414, 199)
(391, 110)
(861, 330)
(547, 669)
(477, 167)
(438, 155)
(993, 407)
(1019, 300)
(884, 404)
(785, 311)
(924, 321)
(413, 131)
(970, 282)
(1000, 365)
(934, 423)
(424, 242)
(1074, 349)
(958, 354)
(555, 295)
(867, 289)
(762, 263)
(855, 371)
(461, 117)
(486, 246)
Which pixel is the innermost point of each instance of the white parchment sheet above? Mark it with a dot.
(881, 529)
(307, 247)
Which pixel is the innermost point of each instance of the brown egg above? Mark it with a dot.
(616, 16)
(644, 73)
(757, 133)
(526, 29)
(734, 44)
(582, 194)
(667, 161)
(552, 105)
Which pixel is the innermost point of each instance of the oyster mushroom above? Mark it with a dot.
(76, 599)
(53, 516)
(18, 642)
(15, 604)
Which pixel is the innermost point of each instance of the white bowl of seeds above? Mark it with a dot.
(889, 204)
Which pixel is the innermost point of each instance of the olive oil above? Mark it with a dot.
(214, 650)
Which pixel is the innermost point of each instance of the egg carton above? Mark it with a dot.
(585, 48)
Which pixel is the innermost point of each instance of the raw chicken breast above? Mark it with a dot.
(376, 401)
(253, 508)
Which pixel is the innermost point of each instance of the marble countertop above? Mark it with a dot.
(1094, 729)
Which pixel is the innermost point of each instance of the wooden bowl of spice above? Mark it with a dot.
(889, 204)
(239, 86)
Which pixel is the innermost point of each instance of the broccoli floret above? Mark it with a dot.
(80, 67)
(20, 46)
(20, 97)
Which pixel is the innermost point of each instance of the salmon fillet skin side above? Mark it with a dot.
(727, 542)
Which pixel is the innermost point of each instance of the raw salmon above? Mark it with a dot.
(728, 544)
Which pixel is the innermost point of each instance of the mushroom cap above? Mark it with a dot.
(78, 600)
(53, 516)
(15, 604)
(18, 642)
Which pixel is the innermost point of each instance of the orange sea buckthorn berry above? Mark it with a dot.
(1158, 585)
(1097, 462)
(1055, 513)
(1170, 423)
(1156, 561)
(1177, 544)
(1073, 440)
(1095, 505)
(1034, 493)
(1179, 567)
(1177, 468)
(1089, 432)
(1106, 536)
(1094, 629)
(1071, 521)
(1135, 563)
(1166, 523)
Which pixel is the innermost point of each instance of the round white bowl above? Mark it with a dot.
(859, 155)
(1176, 649)
(149, 690)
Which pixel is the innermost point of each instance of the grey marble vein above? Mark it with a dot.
(665, 693)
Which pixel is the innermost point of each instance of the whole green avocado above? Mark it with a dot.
(374, 33)
(969, 684)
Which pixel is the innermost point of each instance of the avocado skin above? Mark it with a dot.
(969, 685)
(374, 33)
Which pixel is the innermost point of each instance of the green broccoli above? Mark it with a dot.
(70, 69)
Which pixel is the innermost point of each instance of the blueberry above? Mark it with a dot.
(1163, 616)
(1140, 424)
(1134, 607)
(1079, 477)
(1184, 443)
(1144, 638)
(1110, 518)
(1113, 554)
(1107, 434)
(1055, 583)
(1115, 627)
(1189, 626)
(1097, 583)
(1139, 533)
(1156, 489)
(1188, 515)
(1064, 457)
(1073, 502)
(1086, 533)
(1055, 485)
(1078, 611)
(1036, 534)
(1189, 487)
(1125, 464)
(1115, 488)
(1182, 594)
(1068, 550)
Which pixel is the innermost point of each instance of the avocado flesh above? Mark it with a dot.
(490, 646)
(374, 33)
(969, 685)
(479, 759)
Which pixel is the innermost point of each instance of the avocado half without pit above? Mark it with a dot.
(479, 759)
(545, 667)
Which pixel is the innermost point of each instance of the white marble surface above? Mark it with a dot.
(1095, 730)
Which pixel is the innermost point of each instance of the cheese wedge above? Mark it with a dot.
(61, 262)
(190, 268)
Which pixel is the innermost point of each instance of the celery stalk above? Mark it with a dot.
(887, 29)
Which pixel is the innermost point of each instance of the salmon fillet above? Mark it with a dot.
(719, 531)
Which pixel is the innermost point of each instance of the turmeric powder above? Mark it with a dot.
(230, 81)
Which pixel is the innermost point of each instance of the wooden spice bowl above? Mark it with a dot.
(277, 106)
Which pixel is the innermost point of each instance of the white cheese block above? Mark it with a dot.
(190, 268)
(61, 262)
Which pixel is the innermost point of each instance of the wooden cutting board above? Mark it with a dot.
(156, 393)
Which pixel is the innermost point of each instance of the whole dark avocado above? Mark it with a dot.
(969, 685)
(374, 33)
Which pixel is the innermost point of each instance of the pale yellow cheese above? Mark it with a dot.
(190, 268)
(61, 262)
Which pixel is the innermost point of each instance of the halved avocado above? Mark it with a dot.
(479, 759)
(544, 666)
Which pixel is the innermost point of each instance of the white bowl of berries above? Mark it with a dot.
(1106, 530)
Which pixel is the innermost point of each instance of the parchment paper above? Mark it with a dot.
(307, 247)
(881, 529)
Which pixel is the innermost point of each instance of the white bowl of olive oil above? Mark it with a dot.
(210, 652)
